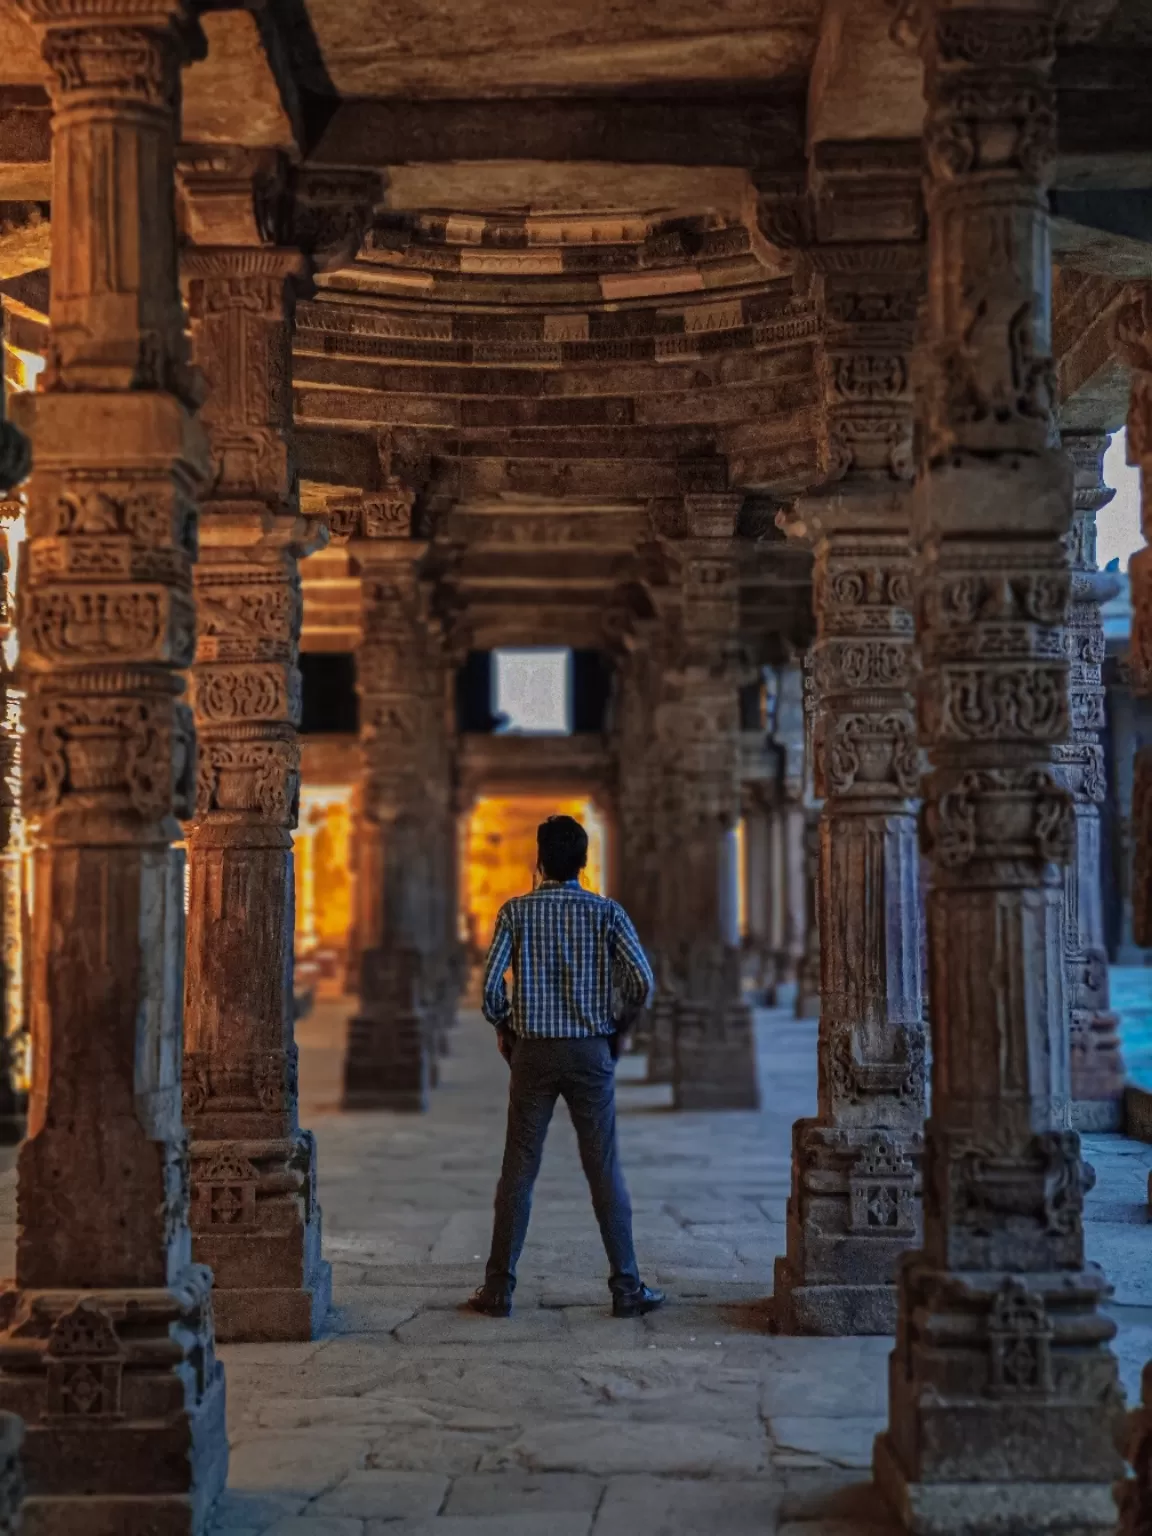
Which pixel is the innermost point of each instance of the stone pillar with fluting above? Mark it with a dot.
(1097, 1066)
(698, 723)
(255, 1216)
(1004, 1402)
(107, 1346)
(389, 1058)
(855, 1202)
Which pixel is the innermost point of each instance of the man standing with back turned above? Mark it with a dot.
(574, 957)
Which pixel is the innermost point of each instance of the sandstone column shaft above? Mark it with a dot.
(107, 1348)
(855, 1203)
(698, 725)
(255, 1217)
(1003, 1394)
(406, 807)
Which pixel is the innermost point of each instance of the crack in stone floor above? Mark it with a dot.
(410, 1418)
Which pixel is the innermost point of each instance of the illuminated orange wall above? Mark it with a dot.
(500, 853)
(322, 850)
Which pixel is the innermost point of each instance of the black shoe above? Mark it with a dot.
(490, 1303)
(641, 1301)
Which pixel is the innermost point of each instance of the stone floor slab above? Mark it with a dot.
(658, 1506)
(524, 1493)
(385, 1495)
(695, 1421)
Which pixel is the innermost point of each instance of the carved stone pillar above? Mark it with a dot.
(1134, 333)
(1097, 1066)
(759, 894)
(855, 1203)
(14, 466)
(107, 1346)
(789, 737)
(808, 982)
(1004, 1401)
(14, 1034)
(698, 724)
(390, 1052)
(636, 773)
(255, 1216)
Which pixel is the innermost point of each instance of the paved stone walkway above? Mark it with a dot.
(413, 1419)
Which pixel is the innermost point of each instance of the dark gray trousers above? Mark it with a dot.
(583, 1074)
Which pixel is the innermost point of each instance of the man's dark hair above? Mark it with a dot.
(562, 845)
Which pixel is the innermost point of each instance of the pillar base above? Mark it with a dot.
(661, 1040)
(715, 1057)
(853, 1212)
(1005, 1405)
(264, 1315)
(1094, 1115)
(123, 1403)
(256, 1224)
(993, 1508)
(388, 1064)
(831, 1311)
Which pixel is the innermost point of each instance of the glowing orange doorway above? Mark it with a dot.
(500, 853)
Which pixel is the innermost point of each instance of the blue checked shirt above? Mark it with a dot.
(573, 956)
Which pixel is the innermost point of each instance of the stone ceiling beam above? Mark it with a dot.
(762, 128)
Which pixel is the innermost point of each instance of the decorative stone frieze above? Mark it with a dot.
(408, 974)
(240, 1095)
(854, 1207)
(107, 1346)
(1097, 1068)
(1004, 1399)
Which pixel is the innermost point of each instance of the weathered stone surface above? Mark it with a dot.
(406, 884)
(107, 1349)
(1004, 1399)
(255, 1216)
(855, 1206)
(1097, 1068)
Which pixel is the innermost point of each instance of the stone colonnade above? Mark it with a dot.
(1003, 1391)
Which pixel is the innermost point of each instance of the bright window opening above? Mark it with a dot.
(532, 692)
(1118, 534)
